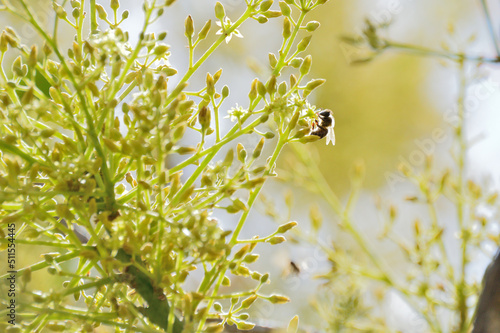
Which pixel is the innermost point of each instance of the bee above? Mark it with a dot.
(323, 126)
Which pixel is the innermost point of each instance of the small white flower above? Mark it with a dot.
(236, 113)
(224, 27)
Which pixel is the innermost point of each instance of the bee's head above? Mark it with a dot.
(325, 116)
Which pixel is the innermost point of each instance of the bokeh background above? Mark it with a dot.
(385, 110)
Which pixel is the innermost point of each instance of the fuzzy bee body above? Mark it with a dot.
(323, 126)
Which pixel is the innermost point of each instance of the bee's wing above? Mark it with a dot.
(330, 136)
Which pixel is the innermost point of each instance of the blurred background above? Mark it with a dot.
(387, 111)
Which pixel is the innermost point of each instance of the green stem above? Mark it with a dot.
(91, 129)
(234, 239)
(441, 54)
(96, 284)
(346, 223)
(44, 264)
(491, 29)
(254, 194)
(212, 150)
(4, 146)
(462, 284)
(182, 83)
(93, 16)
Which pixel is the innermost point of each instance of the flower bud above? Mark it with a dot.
(264, 118)
(285, 227)
(251, 258)
(287, 28)
(262, 19)
(306, 65)
(60, 12)
(265, 5)
(313, 84)
(253, 90)
(189, 27)
(219, 11)
(101, 12)
(242, 153)
(4, 43)
(115, 4)
(160, 50)
(312, 25)
(258, 149)
(301, 133)
(278, 299)
(272, 60)
(244, 326)
(228, 160)
(296, 62)
(269, 135)
(276, 240)
(294, 120)
(204, 118)
(285, 9)
(179, 132)
(261, 89)
(247, 302)
(33, 57)
(217, 75)
(204, 31)
(241, 252)
(282, 88)
(271, 85)
(225, 91)
(17, 66)
(272, 13)
(210, 85)
(304, 43)
(226, 282)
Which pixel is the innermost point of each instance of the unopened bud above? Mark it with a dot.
(306, 65)
(242, 153)
(210, 85)
(285, 227)
(204, 117)
(101, 12)
(282, 88)
(115, 4)
(204, 31)
(276, 240)
(285, 9)
(294, 120)
(271, 85)
(253, 90)
(312, 25)
(219, 11)
(189, 27)
(304, 43)
(258, 149)
(287, 28)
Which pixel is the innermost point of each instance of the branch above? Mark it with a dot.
(487, 317)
